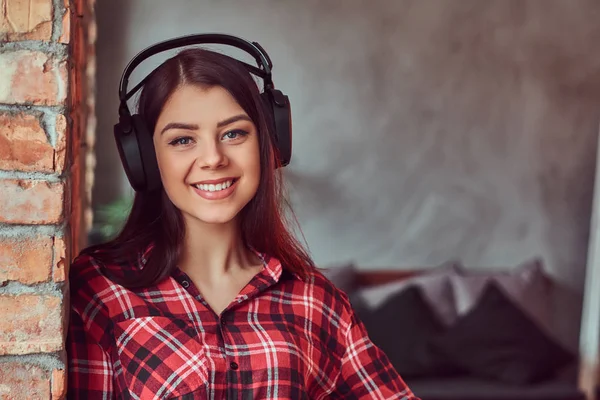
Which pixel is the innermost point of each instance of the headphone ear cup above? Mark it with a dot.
(136, 150)
(278, 106)
(129, 152)
(147, 153)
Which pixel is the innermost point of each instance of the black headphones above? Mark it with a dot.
(134, 142)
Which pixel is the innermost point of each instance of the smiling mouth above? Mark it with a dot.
(211, 187)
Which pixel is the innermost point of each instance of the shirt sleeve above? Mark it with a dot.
(90, 368)
(366, 372)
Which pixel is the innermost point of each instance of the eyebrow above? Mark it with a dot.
(240, 117)
(179, 125)
(192, 127)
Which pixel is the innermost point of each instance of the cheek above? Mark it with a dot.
(172, 167)
(163, 164)
(253, 164)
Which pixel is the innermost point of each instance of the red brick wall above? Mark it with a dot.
(46, 53)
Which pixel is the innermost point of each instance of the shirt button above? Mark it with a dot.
(185, 284)
(234, 366)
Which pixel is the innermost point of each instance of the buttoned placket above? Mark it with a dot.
(226, 363)
(222, 320)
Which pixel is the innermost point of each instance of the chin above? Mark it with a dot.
(214, 217)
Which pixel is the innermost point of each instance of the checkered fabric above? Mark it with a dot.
(281, 338)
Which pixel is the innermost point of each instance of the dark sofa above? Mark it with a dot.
(494, 350)
(469, 388)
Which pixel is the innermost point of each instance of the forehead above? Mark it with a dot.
(191, 103)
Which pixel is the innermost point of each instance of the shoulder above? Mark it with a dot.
(327, 286)
(91, 280)
(98, 264)
(322, 309)
(85, 272)
(321, 292)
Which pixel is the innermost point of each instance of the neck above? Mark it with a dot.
(212, 251)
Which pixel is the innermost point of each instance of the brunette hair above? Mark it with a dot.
(154, 222)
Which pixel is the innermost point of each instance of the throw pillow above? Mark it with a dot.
(527, 286)
(402, 328)
(497, 340)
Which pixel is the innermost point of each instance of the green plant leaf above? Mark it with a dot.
(111, 217)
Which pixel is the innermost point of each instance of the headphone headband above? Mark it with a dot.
(253, 48)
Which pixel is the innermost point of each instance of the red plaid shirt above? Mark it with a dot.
(281, 338)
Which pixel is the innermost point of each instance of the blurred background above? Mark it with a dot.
(423, 131)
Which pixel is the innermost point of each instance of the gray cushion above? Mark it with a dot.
(436, 287)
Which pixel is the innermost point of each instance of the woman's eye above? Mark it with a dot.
(181, 141)
(232, 135)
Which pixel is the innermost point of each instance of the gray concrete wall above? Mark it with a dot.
(423, 130)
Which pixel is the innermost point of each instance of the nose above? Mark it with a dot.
(211, 155)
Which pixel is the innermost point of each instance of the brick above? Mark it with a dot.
(24, 145)
(32, 77)
(26, 260)
(31, 202)
(26, 20)
(60, 260)
(35, 324)
(23, 381)
(59, 384)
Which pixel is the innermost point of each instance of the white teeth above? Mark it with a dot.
(214, 188)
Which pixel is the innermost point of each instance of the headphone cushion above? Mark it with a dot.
(278, 106)
(147, 153)
(129, 152)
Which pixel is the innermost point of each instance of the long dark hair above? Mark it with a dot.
(155, 223)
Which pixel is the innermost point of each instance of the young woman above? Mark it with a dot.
(205, 294)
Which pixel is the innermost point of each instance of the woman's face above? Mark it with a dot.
(208, 154)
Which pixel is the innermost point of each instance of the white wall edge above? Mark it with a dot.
(589, 342)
